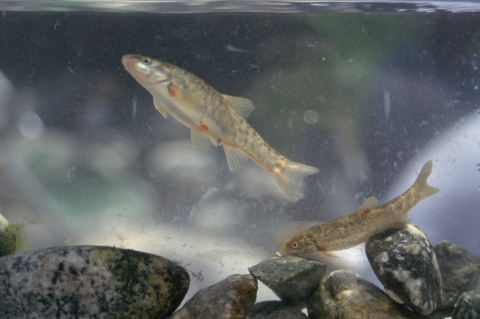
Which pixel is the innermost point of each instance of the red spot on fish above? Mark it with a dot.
(172, 89)
(204, 127)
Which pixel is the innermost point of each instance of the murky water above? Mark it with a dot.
(365, 92)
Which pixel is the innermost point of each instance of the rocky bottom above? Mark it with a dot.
(419, 281)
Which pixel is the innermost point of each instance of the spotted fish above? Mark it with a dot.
(214, 118)
(371, 219)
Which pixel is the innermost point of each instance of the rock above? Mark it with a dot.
(404, 261)
(231, 298)
(8, 237)
(89, 282)
(467, 306)
(460, 271)
(293, 279)
(276, 310)
(345, 295)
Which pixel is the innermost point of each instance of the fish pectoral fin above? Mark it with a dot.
(235, 158)
(369, 203)
(200, 141)
(241, 105)
(160, 108)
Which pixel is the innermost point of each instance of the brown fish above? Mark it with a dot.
(371, 219)
(214, 118)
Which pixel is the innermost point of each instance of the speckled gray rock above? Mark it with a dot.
(89, 282)
(460, 271)
(404, 261)
(293, 279)
(8, 237)
(467, 306)
(231, 298)
(276, 310)
(345, 295)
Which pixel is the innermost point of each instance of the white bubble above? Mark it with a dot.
(30, 125)
(311, 117)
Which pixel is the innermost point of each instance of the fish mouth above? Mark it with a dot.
(128, 62)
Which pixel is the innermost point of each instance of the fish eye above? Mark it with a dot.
(295, 245)
(147, 61)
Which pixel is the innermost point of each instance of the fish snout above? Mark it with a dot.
(128, 62)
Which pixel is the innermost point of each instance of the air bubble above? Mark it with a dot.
(311, 117)
(30, 125)
(478, 167)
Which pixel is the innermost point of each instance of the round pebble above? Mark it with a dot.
(404, 261)
(460, 271)
(90, 282)
(467, 306)
(231, 298)
(293, 279)
(345, 295)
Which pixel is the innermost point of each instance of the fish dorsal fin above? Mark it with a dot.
(371, 202)
(160, 108)
(235, 158)
(241, 105)
(200, 141)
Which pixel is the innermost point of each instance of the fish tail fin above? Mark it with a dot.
(290, 178)
(421, 184)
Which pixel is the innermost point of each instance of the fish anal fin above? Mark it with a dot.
(327, 254)
(369, 203)
(290, 178)
(160, 108)
(200, 141)
(235, 157)
(241, 105)
(401, 222)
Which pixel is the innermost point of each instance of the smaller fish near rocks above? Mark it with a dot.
(215, 118)
(371, 219)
